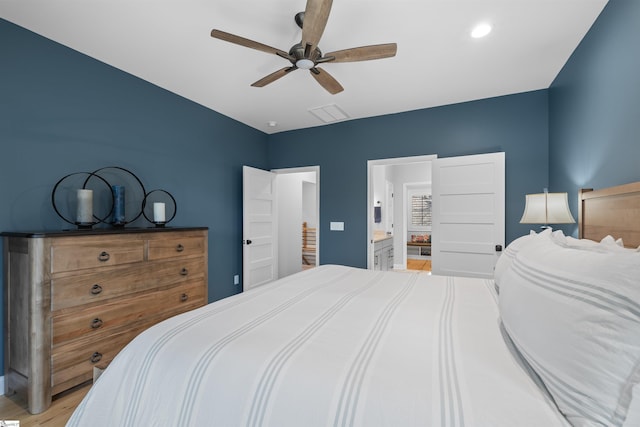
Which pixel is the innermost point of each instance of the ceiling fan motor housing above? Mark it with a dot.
(298, 52)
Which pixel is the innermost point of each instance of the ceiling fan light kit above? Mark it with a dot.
(306, 55)
(305, 64)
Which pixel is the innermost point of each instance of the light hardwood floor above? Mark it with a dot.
(419, 264)
(11, 408)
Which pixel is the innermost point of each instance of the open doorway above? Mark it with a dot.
(417, 227)
(298, 207)
(387, 209)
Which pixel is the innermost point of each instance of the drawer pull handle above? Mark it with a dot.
(179, 248)
(184, 297)
(104, 256)
(96, 323)
(96, 357)
(184, 272)
(96, 289)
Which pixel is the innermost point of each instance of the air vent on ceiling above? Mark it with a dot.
(329, 113)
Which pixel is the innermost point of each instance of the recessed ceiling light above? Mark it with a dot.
(272, 123)
(480, 30)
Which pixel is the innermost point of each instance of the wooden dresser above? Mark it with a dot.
(74, 299)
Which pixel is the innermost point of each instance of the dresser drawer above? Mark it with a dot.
(73, 361)
(72, 291)
(175, 247)
(95, 320)
(95, 253)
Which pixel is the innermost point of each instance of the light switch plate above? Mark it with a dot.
(336, 226)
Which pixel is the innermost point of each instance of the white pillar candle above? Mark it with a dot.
(158, 212)
(85, 206)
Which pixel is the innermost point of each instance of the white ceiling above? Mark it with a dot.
(168, 43)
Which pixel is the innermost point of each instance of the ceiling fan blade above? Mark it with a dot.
(316, 15)
(363, 53)
(231, 38)
(326, 80)
(273, 77)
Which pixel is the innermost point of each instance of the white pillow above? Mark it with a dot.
(616, 245)
(607, 244)
(574, 314)
(609, 240)
(572, 242)
(510, 252)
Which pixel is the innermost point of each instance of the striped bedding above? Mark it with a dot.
(572, 308)
(331, 346)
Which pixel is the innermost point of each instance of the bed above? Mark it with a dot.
(343, 346)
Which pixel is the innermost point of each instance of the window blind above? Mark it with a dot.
(421, 210)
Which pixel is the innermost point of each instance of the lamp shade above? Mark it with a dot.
(547, 208)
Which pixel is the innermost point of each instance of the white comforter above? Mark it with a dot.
(331, 346)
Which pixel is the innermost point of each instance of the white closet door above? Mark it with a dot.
(468, 214)
(259, 227)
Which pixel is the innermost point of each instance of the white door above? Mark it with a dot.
(259, 228)
(468, 214)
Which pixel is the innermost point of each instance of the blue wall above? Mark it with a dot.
(594, 106)
(515, 124)
(63, 112)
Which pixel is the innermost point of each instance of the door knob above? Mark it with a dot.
(498, 248)
(248, 242)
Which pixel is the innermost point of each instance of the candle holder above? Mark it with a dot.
(118, 205)
(65, 183)
(158, 216)
(120, 181)
(87, 195)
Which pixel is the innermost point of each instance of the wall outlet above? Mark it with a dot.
(236, 279)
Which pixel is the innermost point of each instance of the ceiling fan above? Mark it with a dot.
(306, 55)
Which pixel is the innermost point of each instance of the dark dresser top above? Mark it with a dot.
(96, 231)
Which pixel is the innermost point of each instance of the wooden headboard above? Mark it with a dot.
(613, 210)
